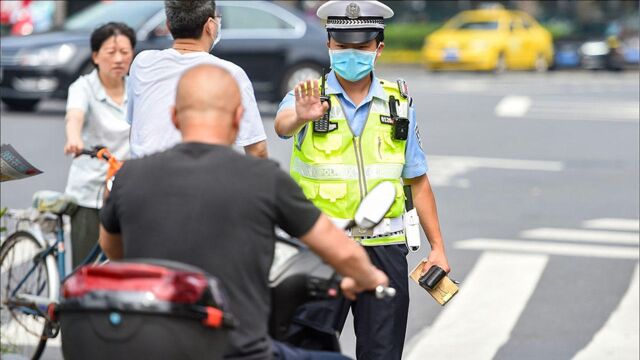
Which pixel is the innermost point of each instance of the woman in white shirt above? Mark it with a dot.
(96, 109)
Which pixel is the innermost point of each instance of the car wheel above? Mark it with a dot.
(21, 104)
(501, 64)
(298, 73)
(541, 64)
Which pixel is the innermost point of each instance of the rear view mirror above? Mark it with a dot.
(373, 207)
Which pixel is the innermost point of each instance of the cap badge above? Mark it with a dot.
(353, 11)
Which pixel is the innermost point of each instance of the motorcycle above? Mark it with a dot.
(302, 284)
(124, 307)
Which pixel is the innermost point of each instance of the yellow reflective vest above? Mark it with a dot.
(337, 169)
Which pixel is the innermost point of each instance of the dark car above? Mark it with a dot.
(277, 47)
(610, 45)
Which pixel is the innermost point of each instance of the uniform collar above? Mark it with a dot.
(334, 88)
(98, 90)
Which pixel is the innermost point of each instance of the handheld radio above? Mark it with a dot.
(323, 125)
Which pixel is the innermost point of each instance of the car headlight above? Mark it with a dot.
(594, 48)
(47, 56)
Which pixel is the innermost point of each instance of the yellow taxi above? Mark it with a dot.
(492, 39)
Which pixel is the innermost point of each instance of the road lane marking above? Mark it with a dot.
(540, 247)
(513, 106)
(589, 104)
(444, 169)
(578, 117)
(618, 338)
(612, 237)
(499, 163)
(480, 319)
(613, 224)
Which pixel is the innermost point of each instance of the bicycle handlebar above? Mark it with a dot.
(384, 292)
(101, 152)
(94, 152)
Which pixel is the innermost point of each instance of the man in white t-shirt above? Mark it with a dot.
(154, 75)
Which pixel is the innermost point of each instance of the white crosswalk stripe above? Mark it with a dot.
(582, 235)
(541, 247)
(518, 106)
(491, 299)
(613, 224)
(448, 169)
(618, 338)
(485, 295)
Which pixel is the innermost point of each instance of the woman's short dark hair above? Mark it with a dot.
(186, 18)
(102, 33)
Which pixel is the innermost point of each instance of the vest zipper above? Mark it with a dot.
(362, 182)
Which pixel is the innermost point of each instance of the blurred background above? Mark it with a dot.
(529, 116)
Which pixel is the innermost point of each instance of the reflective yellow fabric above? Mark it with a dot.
(337, 169)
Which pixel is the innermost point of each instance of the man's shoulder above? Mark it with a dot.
(251, 166)
(235, 70)
(144, 56)
(147, 161)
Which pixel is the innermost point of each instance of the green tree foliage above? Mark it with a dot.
(408, 36)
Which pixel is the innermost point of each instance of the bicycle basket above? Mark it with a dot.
(54, 202)
(151, 309)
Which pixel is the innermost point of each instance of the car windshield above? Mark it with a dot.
(132, 13)
(477, 25)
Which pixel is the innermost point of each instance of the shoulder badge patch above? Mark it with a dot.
(418, 136)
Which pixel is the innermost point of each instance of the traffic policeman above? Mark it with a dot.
(352, 130)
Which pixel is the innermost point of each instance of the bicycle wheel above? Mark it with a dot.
(21, 328)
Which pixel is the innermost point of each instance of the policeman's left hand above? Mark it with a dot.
(308, 104)
(436, 257)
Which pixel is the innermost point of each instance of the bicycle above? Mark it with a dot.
(32, 263)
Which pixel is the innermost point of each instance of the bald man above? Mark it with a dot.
(203, 204)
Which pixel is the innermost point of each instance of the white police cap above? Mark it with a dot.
(354, 22)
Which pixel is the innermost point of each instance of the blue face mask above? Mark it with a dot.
(351, 64)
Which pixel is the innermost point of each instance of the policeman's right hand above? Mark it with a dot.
(308, 104)
(350, 287)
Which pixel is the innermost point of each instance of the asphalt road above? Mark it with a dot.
(536, 177)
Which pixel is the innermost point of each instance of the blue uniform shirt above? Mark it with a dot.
(415, 160)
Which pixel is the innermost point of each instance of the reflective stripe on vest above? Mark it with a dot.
(336, 170)
(345, 172)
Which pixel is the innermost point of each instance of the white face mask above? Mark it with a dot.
(217, 39)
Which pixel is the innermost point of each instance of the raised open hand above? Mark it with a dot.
(308, 104)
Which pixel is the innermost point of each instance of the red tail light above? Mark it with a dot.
(175, 286)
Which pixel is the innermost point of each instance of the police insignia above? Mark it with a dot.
(386, 120)
(418, 136)
(353, 11)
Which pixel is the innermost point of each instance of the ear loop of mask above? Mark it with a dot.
(218, 35)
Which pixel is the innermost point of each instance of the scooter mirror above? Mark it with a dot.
(373, 207)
